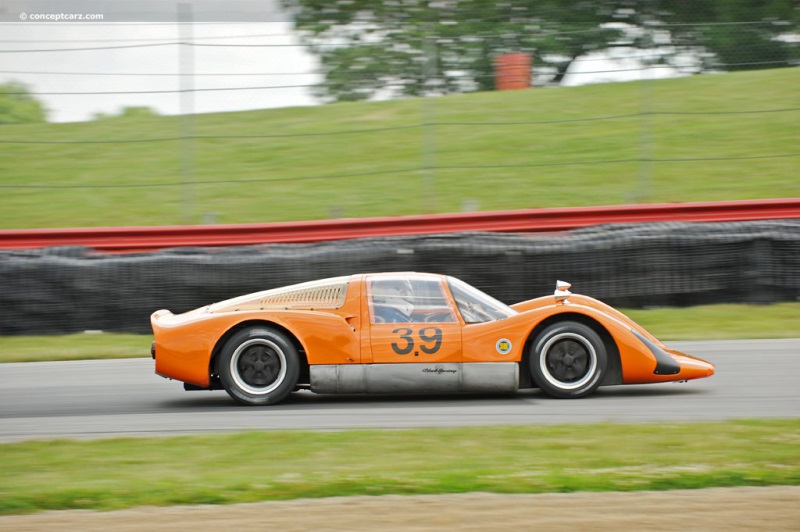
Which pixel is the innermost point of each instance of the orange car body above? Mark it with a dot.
(344, 346)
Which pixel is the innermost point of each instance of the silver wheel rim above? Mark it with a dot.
(547, 370)
(246, 358)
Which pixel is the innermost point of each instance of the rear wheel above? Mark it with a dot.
(568, 360)
(259, 366)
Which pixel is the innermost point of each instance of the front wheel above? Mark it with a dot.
(259, 366)
(568, 360)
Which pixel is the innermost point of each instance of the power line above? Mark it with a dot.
(165, 91)
(147, 39)
(687, 68)
(617, 161)
(214, 137)
(396, 128)
(120, 47)
(158, 74)
(402, 170)
(615, 117)
(161, 44)
(657, 24)
(318, 41)
(449, 76)
(218, 182)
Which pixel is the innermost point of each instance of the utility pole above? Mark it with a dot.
(429, 121)
(187, 148)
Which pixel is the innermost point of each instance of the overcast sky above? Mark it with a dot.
(133, 49)
(155, 68)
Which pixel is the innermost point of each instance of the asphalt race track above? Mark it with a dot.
(94, 399)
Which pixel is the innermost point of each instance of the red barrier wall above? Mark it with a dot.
(133, 239)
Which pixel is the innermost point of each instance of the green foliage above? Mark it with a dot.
(18, 106)
(129, 112)
(764, 41)
(138, 112)
(418, 47)
(249, 467)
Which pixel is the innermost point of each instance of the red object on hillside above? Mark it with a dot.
(512, 71)
(136, 239)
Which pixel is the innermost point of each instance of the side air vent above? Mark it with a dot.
(330, 296)
(324, 294)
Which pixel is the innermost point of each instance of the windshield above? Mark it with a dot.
(475, 306)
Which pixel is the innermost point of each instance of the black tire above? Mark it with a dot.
(259, 366)
(568, 360)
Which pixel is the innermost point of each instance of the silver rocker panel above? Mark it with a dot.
(481, 377)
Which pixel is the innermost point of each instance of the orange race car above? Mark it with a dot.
(407, 333)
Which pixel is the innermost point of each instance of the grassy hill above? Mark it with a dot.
(689, 139)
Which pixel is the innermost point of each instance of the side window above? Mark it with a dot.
(398, 300)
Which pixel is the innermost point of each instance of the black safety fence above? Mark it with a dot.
(61, 290)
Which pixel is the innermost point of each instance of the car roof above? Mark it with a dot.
(405, 275)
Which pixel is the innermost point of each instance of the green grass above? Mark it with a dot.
(710, 322)
(721, 322)
(81, 346)
(248, 467)
(264, 179)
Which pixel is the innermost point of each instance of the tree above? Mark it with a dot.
(735, 34)
(18, 106)
(129, 112)
(417, 47)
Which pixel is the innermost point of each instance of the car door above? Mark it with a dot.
(411, 320)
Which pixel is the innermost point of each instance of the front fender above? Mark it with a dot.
(644, 359)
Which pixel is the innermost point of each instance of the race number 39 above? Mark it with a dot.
(430, 340)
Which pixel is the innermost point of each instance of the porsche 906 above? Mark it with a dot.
(408, 333)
